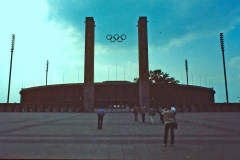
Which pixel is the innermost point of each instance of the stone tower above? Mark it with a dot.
(88, 97)
(144, 97)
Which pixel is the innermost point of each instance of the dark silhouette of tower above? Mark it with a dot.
(225, 76)
(10, 73)
(144, 98)
(47, 73)
(186, 65)
(88, 97)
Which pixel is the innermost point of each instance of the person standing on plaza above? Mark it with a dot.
(160, 110)
(170, 122)
(127, 107)
(151, 114)
(143, 112)
(135, 111)
(122, 107)
(111, 107)
(100, 114)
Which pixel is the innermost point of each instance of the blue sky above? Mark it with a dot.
(54, 30)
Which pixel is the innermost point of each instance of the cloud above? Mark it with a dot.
(177, 42)
(194, 33)
(231, 25)
(182, 22)
(115, 49)
(124, 72)
(235, 62)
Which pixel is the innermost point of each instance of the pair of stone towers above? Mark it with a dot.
(144, 91)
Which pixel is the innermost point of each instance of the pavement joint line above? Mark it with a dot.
(119, 135)
(33, 125)
(219, 128)
(222, 141)
(91, 124)
(220, 121)
(25, 120)
(211, 126)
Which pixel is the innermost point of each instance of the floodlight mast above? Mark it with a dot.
(225, 77)
(47, 73)
(12, 49)
(186, 65)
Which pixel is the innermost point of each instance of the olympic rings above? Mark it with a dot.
(116, 37)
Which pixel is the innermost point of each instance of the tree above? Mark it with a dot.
(157, 76)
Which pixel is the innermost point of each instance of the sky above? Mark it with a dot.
(54, 30)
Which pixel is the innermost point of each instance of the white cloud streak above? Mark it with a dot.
(235, 62)
(177, 42)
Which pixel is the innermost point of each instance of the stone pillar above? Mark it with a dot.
(144, 94)
(88, 99)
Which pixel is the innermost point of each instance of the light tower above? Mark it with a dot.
(186, 65)
(225, 77)
(12, 49)
(47, 73)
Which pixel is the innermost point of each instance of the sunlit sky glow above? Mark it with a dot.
(54, 30)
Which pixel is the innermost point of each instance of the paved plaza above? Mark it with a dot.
(200, 136)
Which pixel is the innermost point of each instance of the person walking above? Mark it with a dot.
(160, 110)
(143, 112)
(100, 114)
(151, 114)
(170, 122)
(135, 111)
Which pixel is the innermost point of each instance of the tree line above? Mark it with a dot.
(158, 76)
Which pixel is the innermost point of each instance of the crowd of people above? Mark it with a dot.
(167, 116)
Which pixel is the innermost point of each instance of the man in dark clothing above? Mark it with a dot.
(143, 111)
(135, 111)
(100, 114)
(160, 110)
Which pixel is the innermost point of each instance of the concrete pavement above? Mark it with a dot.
(208, 135)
